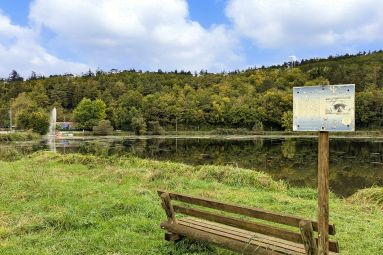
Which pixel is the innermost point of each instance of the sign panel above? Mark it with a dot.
(324, 108)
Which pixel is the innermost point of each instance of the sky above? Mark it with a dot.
(73, 36)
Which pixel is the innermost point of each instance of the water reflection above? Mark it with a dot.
(51, 141)
(354, 164)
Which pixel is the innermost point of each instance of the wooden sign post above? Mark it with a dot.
(324, 109)
(323, 190)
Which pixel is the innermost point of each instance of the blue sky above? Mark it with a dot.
(57, 36)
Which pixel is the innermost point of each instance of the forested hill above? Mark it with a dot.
(360, 58)
(256, 98)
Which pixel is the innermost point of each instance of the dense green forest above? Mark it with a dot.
(258, 98)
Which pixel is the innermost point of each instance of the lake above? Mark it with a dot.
(354, 163)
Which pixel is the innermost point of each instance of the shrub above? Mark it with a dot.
(368, 197)
(103, 128)
(9, 154)
(19, 136)
(258, 126)
(139, 125)
(287, 121)
(156, 128)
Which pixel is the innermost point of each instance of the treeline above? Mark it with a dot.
(256, 98)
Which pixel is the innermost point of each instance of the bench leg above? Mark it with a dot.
(308, 239)
(173, 237)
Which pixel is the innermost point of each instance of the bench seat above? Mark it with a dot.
(250, 242)
(218, 223)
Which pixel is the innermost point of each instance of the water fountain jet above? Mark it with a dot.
(52, 130)
(52, 122)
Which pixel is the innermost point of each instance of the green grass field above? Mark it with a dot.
(75, 204)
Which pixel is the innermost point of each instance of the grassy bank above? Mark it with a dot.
(19, 136)
(75, 204)
(8, 152)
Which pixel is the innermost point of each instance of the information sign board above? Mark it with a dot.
(324, 108)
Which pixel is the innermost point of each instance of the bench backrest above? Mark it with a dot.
(302, 224)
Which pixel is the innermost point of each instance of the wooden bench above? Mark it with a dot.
(240, 234)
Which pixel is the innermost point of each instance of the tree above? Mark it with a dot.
(272, 105)
(4, 115)
(21, 104)
(128, 107)
(256, 97)
(88, 113)
(369, 108)
(34, 76)
(38, 94)
(15, 84)
(35, 119)
(14, 76)
(242, 115)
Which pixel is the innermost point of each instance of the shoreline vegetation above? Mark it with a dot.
(220, 134)
(73, 203)
(19, 136)
(230, 133)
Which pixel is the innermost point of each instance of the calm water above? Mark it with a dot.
(354, 163)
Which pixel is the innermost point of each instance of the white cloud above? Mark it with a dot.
(146, 34)
(307, 23)
(19, 50)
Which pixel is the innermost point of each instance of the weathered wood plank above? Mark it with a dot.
(240, 231)
(219, 240)
(308, 238)
(167, 205)
(240, 223)
(253, 240)
(323, 196)
(259, 239)
(247, 225)
(248, 235)
(280, 218)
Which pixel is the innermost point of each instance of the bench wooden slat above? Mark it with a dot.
(246, 240)
(248, 225)
(280, 218)
(222, 240)
(239, 223)
(248, 235)
(244, 233)
(241, 231)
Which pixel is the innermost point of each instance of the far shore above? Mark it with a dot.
(88, 135)
(209, 135)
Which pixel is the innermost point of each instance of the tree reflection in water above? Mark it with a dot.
(354, 163)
